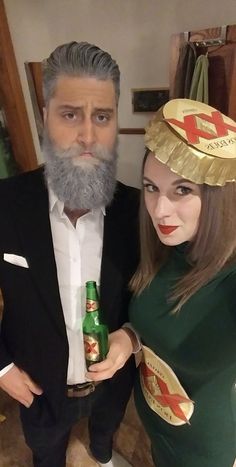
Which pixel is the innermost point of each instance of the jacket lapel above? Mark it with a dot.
(32, 214)
(112, 265)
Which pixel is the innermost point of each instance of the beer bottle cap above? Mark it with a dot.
(195, 141)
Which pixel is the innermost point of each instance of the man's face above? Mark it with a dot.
(79, 143)
(81, 114)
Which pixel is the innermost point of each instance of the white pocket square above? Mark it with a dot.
(15, 259)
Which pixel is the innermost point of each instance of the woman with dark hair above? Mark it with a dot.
(184, 304)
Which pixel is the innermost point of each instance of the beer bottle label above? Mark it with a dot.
(92, 347)
(91, 305)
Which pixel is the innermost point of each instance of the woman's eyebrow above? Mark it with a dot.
(182, 180)
(148, 179)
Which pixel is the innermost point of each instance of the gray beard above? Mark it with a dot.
(80, 187)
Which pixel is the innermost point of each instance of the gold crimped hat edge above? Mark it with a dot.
(185, 160)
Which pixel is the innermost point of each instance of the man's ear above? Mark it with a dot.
(45, 114)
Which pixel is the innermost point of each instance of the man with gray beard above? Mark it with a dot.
(81, 186)
(63, 225)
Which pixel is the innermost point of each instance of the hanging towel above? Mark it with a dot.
(199, 85)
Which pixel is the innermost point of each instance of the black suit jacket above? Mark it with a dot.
(33, 332)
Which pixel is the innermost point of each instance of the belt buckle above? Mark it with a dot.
(83, 390)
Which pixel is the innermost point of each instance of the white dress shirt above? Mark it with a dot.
(78, 253)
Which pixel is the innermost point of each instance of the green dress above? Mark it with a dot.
(199, 345)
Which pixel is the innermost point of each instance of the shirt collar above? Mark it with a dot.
(55, 203)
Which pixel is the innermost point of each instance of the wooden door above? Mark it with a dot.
(12, 101)
(222, 64)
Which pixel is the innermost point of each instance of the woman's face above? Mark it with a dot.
(173, 203)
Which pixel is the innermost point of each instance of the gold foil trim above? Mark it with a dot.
(162, 390)
(212, 160)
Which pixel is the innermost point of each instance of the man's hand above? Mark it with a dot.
(120, 349)
(19, 386)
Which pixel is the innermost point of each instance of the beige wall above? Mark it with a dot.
(135, 32)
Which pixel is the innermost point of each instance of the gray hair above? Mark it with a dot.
(79, 59)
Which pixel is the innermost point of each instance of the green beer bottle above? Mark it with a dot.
(95, 333)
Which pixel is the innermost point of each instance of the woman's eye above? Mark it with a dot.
(149, 187)
(183, 190)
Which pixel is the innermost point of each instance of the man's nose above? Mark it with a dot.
(86, 134)
(164, 207)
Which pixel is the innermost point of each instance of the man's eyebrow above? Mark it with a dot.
(69, 107)
(104, 109)
(79, 107)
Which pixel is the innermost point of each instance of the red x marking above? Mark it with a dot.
(189, 125)
(90, 348)
(91, 305)
(165, 398)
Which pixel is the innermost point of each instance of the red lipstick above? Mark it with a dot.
(167, 229)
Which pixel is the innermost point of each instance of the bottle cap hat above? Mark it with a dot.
(195, 141)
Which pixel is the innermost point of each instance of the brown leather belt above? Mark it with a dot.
(81, 389)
